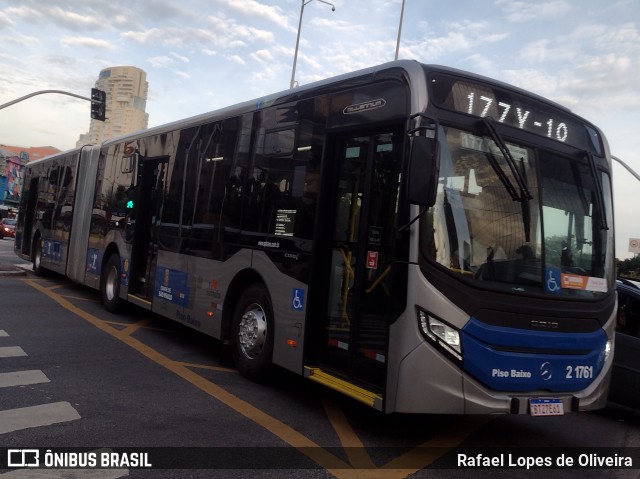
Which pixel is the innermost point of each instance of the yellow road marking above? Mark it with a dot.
(209, 367)
(275, 426)
(412, 461)
(432, 450)
(126, 324)
(355, 450)
(361, 464)
(132, 328)
(79, 298)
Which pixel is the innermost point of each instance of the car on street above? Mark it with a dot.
(625, 379)
(7, 228)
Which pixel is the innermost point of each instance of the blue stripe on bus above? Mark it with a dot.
(509, 359)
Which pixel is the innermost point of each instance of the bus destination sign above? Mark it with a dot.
(508, 107)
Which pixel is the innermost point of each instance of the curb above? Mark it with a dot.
(15, 269)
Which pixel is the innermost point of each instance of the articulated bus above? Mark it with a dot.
(419, 238)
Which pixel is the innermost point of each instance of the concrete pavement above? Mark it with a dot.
(10, 269)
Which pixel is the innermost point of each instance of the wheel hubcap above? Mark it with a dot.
(252, 333)
(110, 284)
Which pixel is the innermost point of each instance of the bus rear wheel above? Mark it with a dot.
(253, 333)
(110, 284)
(38, 270)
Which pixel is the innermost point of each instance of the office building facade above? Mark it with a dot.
(127, 89)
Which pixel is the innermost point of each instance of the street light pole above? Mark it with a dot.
(41, 92)
(628, 168)
(399, 30)
(295, 55)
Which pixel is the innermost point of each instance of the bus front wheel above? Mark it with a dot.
(253, 333)
(110, 284)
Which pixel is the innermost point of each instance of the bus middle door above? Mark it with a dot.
(141, 228)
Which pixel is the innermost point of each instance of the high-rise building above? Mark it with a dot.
(126, 89)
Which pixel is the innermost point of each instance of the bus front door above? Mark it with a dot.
(361, 250)
(141, 229)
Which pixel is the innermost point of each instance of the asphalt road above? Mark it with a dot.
(74, 376)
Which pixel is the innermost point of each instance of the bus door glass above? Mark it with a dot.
(361, 250)
(144, 216)
(31, 194)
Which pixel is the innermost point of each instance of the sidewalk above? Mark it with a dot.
(10, 269)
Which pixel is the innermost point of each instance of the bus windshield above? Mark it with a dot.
(518, 218)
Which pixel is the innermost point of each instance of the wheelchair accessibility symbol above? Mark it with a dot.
(552, 283)
(297, 299)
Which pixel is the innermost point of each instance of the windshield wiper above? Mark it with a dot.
(497, 139)
(525, 195)
(599, 194)
(502, 177)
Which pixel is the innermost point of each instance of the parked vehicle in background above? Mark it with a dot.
(625, 379)
(7, 228)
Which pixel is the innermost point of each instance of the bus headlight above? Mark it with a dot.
(607, 349)
(441, 334)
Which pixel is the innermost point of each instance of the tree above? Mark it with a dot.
(629, 267)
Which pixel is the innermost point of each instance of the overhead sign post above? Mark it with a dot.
(634, 245)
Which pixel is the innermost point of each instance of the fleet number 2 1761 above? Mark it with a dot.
(579, 372)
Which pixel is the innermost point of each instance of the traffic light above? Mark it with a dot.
(98, 104)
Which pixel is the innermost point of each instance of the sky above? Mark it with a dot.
(200, 55)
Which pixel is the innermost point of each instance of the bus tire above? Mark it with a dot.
(252, 333)
(38, 270)
(110, 284)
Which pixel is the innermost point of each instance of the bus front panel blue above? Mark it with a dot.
(510, 359)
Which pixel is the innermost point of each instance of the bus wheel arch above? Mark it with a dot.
(237, 286)
(110, 280)
(252, 331)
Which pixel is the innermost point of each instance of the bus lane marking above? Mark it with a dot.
(124, 325)
(209, 367)
(362, 466)
(355, 450)
(408, 463)
(132, 328)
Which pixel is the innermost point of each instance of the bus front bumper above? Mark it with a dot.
(429, 383)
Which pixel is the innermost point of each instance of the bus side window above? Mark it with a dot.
(307, 164)
(217, 153)
(307, 203)
(169, 230)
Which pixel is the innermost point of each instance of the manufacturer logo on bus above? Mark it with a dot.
(364, 106)
(545, 324)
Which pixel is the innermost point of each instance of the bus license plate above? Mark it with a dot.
(546, 407)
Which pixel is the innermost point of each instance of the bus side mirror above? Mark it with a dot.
(422, 174)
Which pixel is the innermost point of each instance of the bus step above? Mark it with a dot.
(359, 394)
(139, 300)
